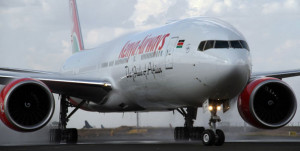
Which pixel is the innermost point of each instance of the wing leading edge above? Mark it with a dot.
(278, 74)
(92, 90)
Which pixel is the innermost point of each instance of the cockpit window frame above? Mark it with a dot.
(245, 44)
(199, 47)
(213, 45)
(216, 41)
(242, 44)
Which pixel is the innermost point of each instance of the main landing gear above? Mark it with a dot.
(62, 133)
(188, 131)
(209, 137)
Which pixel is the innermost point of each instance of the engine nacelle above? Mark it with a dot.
(267, 103)
(26, 105)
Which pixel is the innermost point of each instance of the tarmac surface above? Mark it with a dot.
(161, 146)
(159, 139)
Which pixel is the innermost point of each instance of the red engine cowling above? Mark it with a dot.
(26, 105)
(267, 103)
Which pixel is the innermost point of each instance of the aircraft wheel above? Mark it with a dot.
(220, 137)
(196, 132)
(181, 133)
(208, 137)
(71, 136)
(55, 135)
(176, 133)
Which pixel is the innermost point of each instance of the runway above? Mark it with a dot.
(157, 139)
(160, 146)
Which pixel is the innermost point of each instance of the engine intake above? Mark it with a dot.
(267, 103)
(26, 105)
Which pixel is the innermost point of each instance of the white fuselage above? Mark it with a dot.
(145, 77)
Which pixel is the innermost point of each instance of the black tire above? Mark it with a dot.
(185, 133)
(181, 133)
(71, 136)
(220, 137)
(208, 137)
(196, 133)
(176, 134)
(55, 135)
(51, 137)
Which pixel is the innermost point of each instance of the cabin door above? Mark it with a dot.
(169, 54)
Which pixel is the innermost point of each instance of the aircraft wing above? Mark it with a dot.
(93, 90)
(279, 74)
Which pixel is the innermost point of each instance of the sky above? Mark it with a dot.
(35, 34)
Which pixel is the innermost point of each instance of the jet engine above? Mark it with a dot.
(267, 103)
(26, 105)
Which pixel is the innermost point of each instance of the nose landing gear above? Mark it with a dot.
(213, 136)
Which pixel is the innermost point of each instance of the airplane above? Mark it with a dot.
(181, 66)
(87, 125)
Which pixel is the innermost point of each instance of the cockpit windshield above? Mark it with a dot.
(236, 44)
(222, 44)
(209, 44)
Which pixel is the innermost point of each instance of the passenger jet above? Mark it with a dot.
(183, 65)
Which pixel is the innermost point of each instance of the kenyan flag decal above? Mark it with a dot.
(180, 44)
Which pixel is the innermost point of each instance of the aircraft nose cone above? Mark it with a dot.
(232, 80)
(238, 68)
(234, 72)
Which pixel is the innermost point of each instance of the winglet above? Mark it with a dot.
(76, 37)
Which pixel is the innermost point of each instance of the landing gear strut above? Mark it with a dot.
(209, 137)
(188, 131)
(213, 136)
(63, 133)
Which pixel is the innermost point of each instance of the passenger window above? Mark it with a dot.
(235, 44)
(201, 46)
(221, 44)
(209, 44)
(244, 44)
